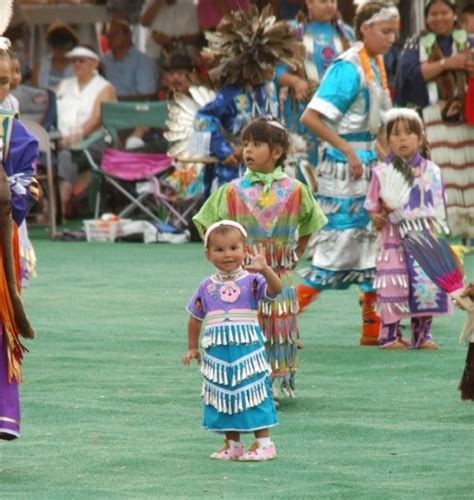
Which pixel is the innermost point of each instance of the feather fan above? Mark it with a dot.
(442, 266)
(396, 181)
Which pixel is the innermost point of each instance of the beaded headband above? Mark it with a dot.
(225, 222)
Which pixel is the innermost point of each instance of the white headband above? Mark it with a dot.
(276, 124)
(384, 14)
(82, 52)
(396, 113)
(225, 222)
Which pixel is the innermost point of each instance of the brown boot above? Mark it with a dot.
(305, 295)
(370, 320)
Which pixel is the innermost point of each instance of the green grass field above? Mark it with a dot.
(108, 411)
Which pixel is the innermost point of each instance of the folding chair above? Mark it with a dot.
(134, 168)
(37, 105)
(45, 147)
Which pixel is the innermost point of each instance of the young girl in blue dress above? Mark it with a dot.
(237, 386)
(325, 37)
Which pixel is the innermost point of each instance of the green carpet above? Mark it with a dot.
(109, 411)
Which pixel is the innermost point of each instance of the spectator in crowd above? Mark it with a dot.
(178, 75)
(131, 72)
(125, 9)
(432, 77)
(210, 12)
(79, 101)
(173, 26)
(467, 21)
(55, 66)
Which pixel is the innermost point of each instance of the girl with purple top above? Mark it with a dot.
(403, 289)
(237, 386)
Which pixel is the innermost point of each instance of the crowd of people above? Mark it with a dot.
(328, 82)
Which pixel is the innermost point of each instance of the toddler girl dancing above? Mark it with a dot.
(237, 387)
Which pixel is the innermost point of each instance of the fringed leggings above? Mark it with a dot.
(390, 333)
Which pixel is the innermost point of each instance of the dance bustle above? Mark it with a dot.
(442, 266)
(187, 144)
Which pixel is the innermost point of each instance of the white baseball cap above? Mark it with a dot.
(82, 52)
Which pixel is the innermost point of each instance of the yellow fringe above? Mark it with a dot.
(14, 347)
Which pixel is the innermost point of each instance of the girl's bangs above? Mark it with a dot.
(258, 131)
(411, 124)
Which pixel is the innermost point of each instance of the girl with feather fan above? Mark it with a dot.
(346, 113)
(403, 288)
(18, 153)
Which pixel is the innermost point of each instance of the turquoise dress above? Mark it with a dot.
(323, 44)
(237, 387)
(345, 248)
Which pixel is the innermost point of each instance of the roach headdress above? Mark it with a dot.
(247, 45)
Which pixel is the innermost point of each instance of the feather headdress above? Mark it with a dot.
(247, 45)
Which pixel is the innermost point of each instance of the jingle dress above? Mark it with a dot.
(403, 288)
(323, 44)
(19, 152)
(345, 248)
(237, 387)
(220, 123)
(273, 216)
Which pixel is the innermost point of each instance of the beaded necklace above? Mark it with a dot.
(231, 275)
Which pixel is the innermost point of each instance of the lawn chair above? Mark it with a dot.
(47, 179)
(137, 176)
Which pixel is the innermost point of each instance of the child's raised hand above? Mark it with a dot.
(258, 261)
(190, 355)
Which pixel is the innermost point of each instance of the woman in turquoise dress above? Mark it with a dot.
(346, 113)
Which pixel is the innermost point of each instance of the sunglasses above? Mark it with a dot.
(80, 60)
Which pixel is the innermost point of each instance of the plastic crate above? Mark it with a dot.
(101, 230)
